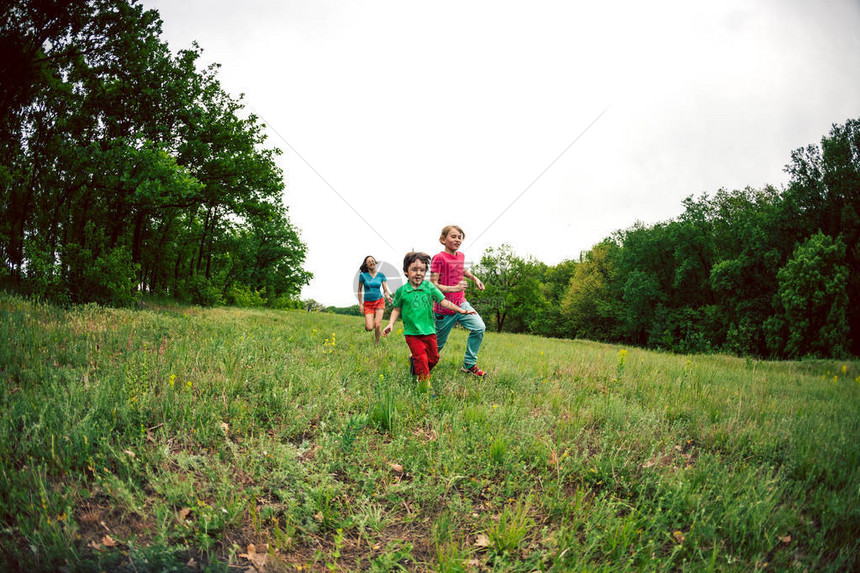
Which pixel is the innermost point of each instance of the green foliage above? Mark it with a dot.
(726, 275)
(44, 275)
(111, 278)
(353, 310)
(245, 297)
(587, 307)
(284, 302)
(203, 291)
(641, 296)
(554, 284)
(124, 167)
(512, 298)
(813, 300)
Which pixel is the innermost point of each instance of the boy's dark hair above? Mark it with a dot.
(413, 256)
(363, 267)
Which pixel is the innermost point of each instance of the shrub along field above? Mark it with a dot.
(177, 437)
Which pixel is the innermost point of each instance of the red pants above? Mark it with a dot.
(425, 354)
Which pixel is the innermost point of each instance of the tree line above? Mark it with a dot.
(125, 169)
(757, 272)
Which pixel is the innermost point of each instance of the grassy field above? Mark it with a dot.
(176, 438)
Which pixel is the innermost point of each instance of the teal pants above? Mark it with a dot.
(471, 322)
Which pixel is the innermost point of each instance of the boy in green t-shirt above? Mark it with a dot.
(414, 301)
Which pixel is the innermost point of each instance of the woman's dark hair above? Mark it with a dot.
(363, 267)
(413, 256)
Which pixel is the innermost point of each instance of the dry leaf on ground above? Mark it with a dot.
(258, 560)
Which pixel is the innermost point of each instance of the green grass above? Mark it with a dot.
(143, 440)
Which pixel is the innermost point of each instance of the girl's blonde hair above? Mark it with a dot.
(448, 228)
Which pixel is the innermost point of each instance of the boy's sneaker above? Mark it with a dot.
(411, 366)
(473, 370)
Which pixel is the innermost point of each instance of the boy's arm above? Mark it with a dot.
(459, 287)
(474, 279)
(451, 306)
(395, 313)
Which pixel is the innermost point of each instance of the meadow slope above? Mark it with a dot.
(177, 438)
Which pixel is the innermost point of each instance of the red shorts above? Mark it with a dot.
(371, 306)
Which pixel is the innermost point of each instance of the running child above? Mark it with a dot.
(414, 302)
(447, 272)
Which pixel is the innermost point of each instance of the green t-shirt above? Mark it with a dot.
(416, 307)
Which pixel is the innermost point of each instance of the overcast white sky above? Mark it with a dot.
(397, 118)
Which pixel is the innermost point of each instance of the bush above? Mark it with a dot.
(200, 290)
(42, 275)
(111, 279)
(245, 297)
(284, 302)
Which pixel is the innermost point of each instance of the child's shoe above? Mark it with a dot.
(411, 366)
(473, 370)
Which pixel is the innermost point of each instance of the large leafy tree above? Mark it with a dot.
(750, 247)
(512, 295)
(36, 40)
(125, 166)
(824, 195)
(812, 301)
(645, 274)
(554, 284)
(692, 237)
(588, 306)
